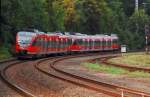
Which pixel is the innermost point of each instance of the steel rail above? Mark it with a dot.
(129, 90)
(89, 83)
(7, 60)
(11, 84)
(126, 66)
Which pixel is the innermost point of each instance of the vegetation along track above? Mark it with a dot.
(106, 88)
(104, 60)
(9, 82)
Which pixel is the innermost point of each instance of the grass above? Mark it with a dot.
(139, 59)
(115, 70)
(4, 53)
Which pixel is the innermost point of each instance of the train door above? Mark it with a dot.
(97, 44)
(84, 45)
(109, 44)
(69, 44)
(43, 45)
(54, 44)
(100, 43)
(65, 43)
(103, 44)
(106, 47)
(88, 44)
(59, 42)
(48, 44)
(92, 44)
(40, 45)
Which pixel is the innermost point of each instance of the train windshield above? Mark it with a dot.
(24, 38)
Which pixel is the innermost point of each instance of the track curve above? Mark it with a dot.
(104, 60)
(85, 82)
(11, 84)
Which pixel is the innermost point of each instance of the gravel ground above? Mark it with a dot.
(26, 76)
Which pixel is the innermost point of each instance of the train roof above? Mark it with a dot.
(73, 36)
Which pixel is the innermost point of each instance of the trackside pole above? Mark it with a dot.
(122, 94)
(142, 95)
(146, 42)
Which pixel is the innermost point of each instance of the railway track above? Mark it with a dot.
(9, 82)
(104, 60)
(7, 60)
(106, 88)
(3, 75)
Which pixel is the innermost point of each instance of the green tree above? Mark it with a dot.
(18, 14)
(71, 18)
(91, 13)
(136, 25)
(58, 16)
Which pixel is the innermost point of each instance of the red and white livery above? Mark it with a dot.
(35, 43)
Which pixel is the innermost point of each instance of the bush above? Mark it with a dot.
(4, 53)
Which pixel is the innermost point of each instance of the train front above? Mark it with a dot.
(24, 42)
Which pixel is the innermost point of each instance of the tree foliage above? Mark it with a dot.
(85, 16)
(18, 14)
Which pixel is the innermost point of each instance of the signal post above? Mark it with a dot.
(147, 38)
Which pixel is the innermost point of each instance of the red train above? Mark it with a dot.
(35, 43)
